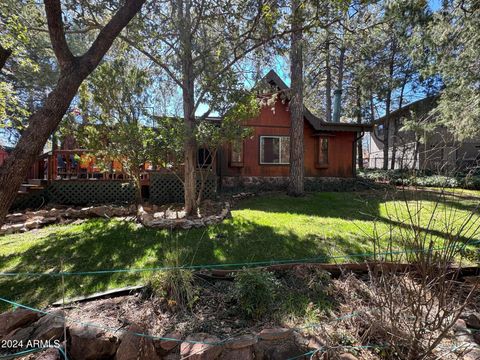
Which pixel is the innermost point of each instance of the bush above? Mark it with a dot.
(255, 291)
(176, 286)
(422, 178)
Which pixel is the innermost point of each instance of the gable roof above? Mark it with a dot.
(317, 123)
(421, 106)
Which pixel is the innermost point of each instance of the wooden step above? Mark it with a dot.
(30, 187)
(39, 182)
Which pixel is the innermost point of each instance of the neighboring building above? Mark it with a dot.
(330, 148)
(422, 144)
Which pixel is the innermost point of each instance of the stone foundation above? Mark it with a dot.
(269, 183)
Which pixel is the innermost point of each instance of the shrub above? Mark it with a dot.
(176, 286)
(255, 291)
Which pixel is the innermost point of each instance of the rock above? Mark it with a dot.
(300, 339)
(50, 327)
(100, 211)
(159, 215)
(34, 223)
(134, 347)
(16, 217)
(476, 337)
(347, 356)
(12, 320)
(20, 334)
(277, 350)
(241, 342)
(274, 333)
(472, 354)
(206, 351)
(473, 320)
(238, 354)
(49, 354)
(90, 343)
(168, 345)
(460, 326)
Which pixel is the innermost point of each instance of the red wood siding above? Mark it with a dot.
(3, 156)
(277, 122)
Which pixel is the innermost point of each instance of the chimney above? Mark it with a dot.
(337, 105)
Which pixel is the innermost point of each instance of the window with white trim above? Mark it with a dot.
(275, 150)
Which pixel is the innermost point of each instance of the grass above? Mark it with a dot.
(263, 228)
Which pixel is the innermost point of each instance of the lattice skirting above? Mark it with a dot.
(164, 189)
(168, 188)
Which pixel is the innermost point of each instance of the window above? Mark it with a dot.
(274, 149)
(322, 152)
(204, 158)
(236, 153)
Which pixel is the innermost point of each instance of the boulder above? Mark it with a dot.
(241, 342)
(20, 334)
(88, 343)
(12, 320)
(460, 326)
(245, 353)
(50, 326)
(274, 334)
(201, 347)
(134, 347)
(277, 350)
(171, 342)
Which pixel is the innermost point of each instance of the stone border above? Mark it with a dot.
(29, 220)
(158, 220)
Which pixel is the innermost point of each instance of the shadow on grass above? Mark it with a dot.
(101, 245)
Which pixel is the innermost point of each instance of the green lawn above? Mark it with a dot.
(263, 228)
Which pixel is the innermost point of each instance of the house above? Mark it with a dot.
(417, 141)
(263, 158)
(330, 148)
(4, 151)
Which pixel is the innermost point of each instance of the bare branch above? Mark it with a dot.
(154, 59)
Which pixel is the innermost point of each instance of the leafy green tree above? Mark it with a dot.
(117, 122)
(453, 42)
(202, 50)
(73, 70)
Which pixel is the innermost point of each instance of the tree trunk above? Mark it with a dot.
(296, 185)
(395, 126)
(337, 106)
(188, 92)
(44, 121)
(328, 83)
(40, 126)
(388, 102)
(359, 121)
